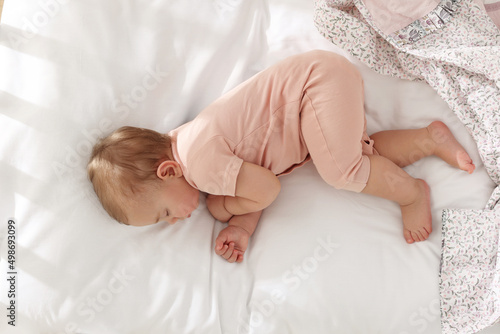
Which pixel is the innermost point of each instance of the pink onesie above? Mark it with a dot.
(309, 106)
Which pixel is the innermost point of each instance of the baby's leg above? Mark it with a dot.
(389, 181)
(404, 147)
(399, 148)
(332, 124)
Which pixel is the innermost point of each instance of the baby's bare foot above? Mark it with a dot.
(448, 148)
(417, 218)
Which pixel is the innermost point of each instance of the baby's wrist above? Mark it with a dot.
(238, 226)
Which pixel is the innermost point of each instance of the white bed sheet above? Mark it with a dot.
(321, 260)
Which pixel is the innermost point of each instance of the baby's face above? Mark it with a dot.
(174, 200)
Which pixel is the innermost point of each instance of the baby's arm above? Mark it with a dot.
(256, 188)
(215, 204)
(232, 242)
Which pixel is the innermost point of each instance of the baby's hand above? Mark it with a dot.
(232, 243)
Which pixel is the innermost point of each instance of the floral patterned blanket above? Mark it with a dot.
(455, 48)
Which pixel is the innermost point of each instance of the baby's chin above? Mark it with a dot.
(194, 206)
(196, 202)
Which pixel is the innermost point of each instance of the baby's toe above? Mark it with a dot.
(408, 237)
(416, 236)
(465, 162)
(424, 233)
(470, 168)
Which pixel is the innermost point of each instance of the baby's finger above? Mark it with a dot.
(220, 250)
(220, 242)
(229, 251)
(233, 257)
(240, 258)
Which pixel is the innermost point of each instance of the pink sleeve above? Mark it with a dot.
(214, 168)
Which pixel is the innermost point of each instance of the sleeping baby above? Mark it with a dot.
(306, 107)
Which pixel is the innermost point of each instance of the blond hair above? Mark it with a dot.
(123, 163)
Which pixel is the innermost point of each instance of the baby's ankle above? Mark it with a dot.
(415, 190)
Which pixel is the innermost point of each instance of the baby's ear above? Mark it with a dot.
(168, 168)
